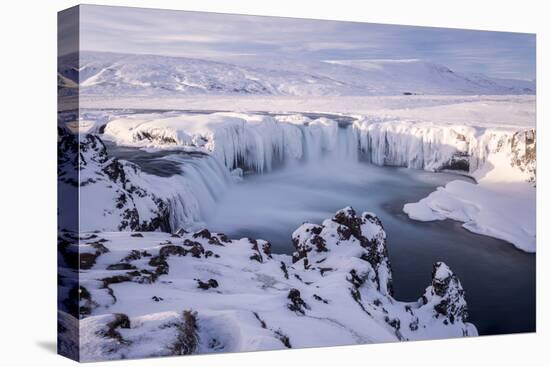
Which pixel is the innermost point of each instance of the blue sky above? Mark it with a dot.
(228, 37)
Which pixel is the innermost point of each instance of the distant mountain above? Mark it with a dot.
(114, 74)
(422, 77)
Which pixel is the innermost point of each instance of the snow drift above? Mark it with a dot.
(503, 202)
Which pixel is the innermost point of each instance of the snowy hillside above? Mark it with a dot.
(422, 77)
(158, 294)
(109, 74)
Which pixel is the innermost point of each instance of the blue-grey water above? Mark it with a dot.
(499, 280)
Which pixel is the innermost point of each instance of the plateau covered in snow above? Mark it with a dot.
(112, 74)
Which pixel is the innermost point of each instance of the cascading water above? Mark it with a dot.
(348, 144)
(205, 179)
(258, 144)
(327, 139)
(200, 186)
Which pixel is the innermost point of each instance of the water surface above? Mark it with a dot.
(499, 280)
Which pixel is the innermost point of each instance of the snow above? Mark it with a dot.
(337, 293)
(501, 204)
(112, 74)
(152, 281)
(482, 111)
(248, 141)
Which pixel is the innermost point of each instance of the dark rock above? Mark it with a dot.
(262, 322)
(259, 254)
(211, 283)
(135, 255)
(196, 249)
(175, 250)
(117, 279)
(121, 321)
(205, 233)
(460, 161)
(297, 304)
(87, 260)
(284, 269)
(188, 338)
(320, 299)
(121, 266)
(283, 338)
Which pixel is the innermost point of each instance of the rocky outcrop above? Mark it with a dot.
(314, 243)
(187, 339)
(243, 297)
(524, 152)
(108, 188)
(446, 296)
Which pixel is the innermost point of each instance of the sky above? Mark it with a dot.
(226, 37)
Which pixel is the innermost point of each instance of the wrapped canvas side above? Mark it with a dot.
(68, 295)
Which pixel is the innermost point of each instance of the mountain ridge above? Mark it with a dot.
(117, 74)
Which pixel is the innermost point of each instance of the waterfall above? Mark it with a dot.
(421, 146)
(195, 193)
(217, 146)
(348, 144)
(326, 139)
(205, 178)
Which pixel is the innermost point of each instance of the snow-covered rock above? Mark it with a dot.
(502, 203)
(251, 142)
(433, 147)
(154, 294)
(260, 142)
(109, 190)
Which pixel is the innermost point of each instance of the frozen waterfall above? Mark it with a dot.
(257, 143)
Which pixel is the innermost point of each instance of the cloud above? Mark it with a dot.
(221, 36)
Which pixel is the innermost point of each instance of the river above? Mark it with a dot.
(499, 280)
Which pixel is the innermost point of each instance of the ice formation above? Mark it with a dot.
(215, 149)
(259, 142)
(502, 202)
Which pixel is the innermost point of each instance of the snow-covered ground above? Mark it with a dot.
(498, 111)
(156, 294)
(111, 74)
